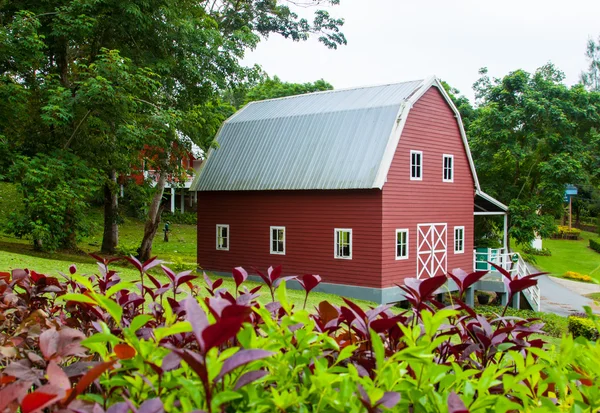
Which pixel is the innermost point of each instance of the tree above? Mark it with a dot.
(532, 136)
(54, 189)
(270, 88)
(591, 78)
(107, 80)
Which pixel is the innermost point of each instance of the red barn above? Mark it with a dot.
(364, 186)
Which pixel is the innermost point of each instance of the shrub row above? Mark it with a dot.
(169, 343)
(564, 232)
(595, 245)
(572, 275)
(186, 218)
(554, 325)
(581, 326)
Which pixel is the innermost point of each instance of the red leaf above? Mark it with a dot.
(170, 273)
(151, 406)
(389, 399)
(12, 392)
(327, 312)
(181, 279)
(151, 263)
(72, 269)
(249, 377)
(359, 311)
(472, 278)
(274, 273)
(520, 285)
(89, 378)
(5, 276)
(501, 270)
(263, 276)
(218, 333)
(57, 377)
(197, 318)
(36, 276)
(309, 281)
(36, 401)
(383, 324)
(239, 275)
(49, 343)
(217, 283)
(241, 358)
(124, 351)
(455, 404)
(236, 311)
(429, 285)
(135, 262)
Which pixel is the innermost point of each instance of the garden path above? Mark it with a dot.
(564, 297)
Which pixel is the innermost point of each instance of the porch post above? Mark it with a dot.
(191, 199)
(182, 201)
(172, 200)
(505, 241)
(195, 197)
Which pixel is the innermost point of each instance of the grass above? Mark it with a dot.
(570, 255)
(594, 296)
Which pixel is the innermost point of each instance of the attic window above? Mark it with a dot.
(448, 167)
(278, 240)
(343, 243)
(416, 165)
(223, 237)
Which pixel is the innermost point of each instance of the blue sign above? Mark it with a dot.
(570, 190)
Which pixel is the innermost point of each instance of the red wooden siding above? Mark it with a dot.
(431, 127)
(309, 218)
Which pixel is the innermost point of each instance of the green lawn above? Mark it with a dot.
(569, 255)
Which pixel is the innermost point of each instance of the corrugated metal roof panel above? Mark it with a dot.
(326, 140)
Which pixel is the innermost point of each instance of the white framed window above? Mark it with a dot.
(416, 165)
(448, 168)
(343, 243)
(223, 237)
(278, 240)
(401, 244)
(459, 240)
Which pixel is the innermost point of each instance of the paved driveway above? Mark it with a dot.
(564, 297)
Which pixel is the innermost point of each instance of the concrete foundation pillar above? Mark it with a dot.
(470, 297)
(172, 200)
(182, 201)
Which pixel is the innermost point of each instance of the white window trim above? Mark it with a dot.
(463, 240)
(271, 240)
(444, 168)
(335, 245)
(407, 244)
(228, 237)
(420, 178)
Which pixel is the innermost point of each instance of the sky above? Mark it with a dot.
(399, 40)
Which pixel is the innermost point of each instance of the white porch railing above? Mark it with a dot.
(511, 262)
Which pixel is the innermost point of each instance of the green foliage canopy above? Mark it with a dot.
(531, 136)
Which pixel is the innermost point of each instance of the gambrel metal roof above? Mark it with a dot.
(340, 139)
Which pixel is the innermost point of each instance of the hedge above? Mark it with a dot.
(581, 326)
(595, 245)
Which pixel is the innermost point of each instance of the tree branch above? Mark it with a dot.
(77, 129)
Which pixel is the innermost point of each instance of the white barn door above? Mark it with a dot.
(432, 251)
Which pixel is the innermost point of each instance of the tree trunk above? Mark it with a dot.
(151, 226)
(110, 240)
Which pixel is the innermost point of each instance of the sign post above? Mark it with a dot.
(570, 192)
